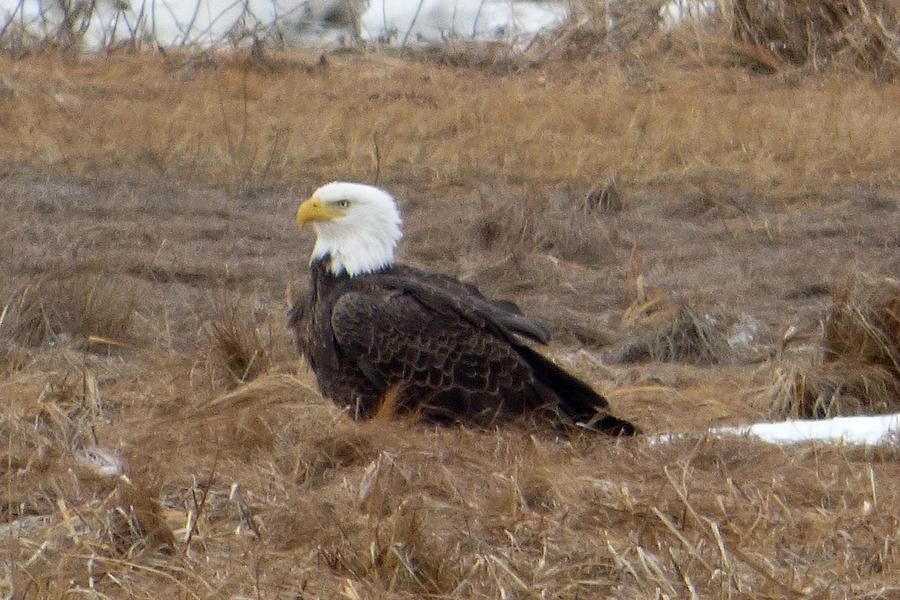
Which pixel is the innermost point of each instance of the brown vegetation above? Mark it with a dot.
(580, 125)
(864, 323)
(678, 334)
(161, 439)
(761, 36)
(861, 350)
(832, 390)
(238, 348)
(856, 33)
(272, 493)
(94, 309)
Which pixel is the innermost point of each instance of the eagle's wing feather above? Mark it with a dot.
(501, 312)
(427, 348)
(448, 355)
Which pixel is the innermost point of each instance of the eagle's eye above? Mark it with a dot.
(344, 203)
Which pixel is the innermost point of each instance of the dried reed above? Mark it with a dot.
(832, 390)
(675, 334)
(52, 307)
(861, 345)
(863, 323)
(239, 346)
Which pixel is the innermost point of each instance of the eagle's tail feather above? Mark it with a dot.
(611, 425)
(577, 399)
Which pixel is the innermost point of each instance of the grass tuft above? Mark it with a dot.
(833, 389)
(135, 523)
(674, 334)
(87, 309)
(239, 345)
(863, 323)
(562, 225)
(860, 373)
(820, 33)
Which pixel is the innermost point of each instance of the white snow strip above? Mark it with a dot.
(436, 21)
(315, 23)
(860, 431)
(169, 23)
(677, 12)
(867, 431)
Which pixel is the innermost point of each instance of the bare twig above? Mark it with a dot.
(477, 17)
(202, 504)
(412, 24)
(190, 25)
(19, 9)
(377, 150)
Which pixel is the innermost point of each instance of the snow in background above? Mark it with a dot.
(169, 23)
(869, 431)
(439, 20)
(675, 12)
(864, 431)
(317, 23)
(211, 23)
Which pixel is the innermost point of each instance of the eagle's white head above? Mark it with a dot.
(357, 225)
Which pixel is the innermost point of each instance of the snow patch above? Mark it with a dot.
(315, 23)
(867, 431)
(435, 21)
(676, 12)
(860, 431)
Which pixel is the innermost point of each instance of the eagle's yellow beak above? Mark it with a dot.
(315, 210)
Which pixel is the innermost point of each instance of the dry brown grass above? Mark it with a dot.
(832, 390)
(857, 33)
(771, 37)
(861, 350)
(97, 310)
(566, 226)
(864, 322)
(578, 125)
(661, 328)
(239, 347)
(130, 471)
(307, 501)
(675, 334)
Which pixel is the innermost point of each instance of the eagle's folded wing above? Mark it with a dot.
(397, 339)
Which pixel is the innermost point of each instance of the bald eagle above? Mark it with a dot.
(384, 338)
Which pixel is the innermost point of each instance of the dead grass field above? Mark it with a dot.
(161, 439)
(236, 122)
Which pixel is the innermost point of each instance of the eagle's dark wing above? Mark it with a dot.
(501, 313)
(432, 357)
(445, 356)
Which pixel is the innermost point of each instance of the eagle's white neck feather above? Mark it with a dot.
(363, 240)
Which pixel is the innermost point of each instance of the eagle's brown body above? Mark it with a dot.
(401, 340)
